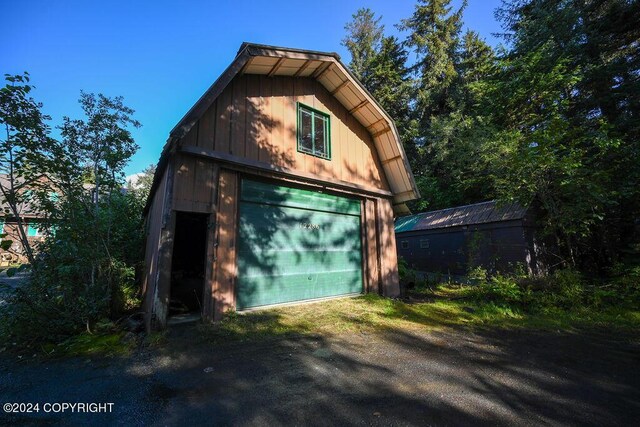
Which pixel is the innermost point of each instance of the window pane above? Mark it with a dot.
(320, 136)
(306, 142)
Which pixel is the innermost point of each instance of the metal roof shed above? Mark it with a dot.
(452, 241)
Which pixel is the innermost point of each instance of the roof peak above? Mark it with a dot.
(249, 45)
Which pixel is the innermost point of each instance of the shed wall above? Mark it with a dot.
(453, 250)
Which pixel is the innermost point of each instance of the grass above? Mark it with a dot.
(447, 306)
(102, 344)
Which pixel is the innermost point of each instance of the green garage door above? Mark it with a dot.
(296, 245)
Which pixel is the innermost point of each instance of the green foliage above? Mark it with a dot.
(85, 271)
(364, 34)
(142, 187)
(550, 120)
(565, 291)
(379, 62)
(499, 289)
(77, 285)
(27, 153)
(408, 276)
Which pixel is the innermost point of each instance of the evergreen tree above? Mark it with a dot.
(566, 101)
(434, 35)
(451, 73)
(380, 64)
(363, 40)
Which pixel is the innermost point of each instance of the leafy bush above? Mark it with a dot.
(79, 281)
(408, 276)
(500, 289)
(563, 290)
(624, 284)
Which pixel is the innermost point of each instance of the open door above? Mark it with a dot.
(188, 265)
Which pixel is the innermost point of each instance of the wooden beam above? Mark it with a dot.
(208, 297)
(340, 87)
(322, 70)
(245, 66)
(369, 128)
(276, 67)
(404, 193)
(384, 162)
(161, 293)
(381, 132)
(359, 106)
(302, 68)
(242, 164)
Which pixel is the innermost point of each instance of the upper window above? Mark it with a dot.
(424, 243)
(313, 132)
(404, 244)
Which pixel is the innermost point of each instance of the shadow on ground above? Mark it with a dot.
(450, 377)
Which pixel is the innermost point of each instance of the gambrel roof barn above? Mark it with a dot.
(278, 186)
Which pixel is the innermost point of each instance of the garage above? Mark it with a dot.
(296, 245)
(282, 181)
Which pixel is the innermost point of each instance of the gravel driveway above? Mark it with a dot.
(453, 377)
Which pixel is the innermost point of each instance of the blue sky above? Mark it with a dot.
(161, 56)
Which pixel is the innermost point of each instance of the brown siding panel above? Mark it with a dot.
(387, 244)
(255, 118)
(238, 137)
(154, 224)
(208, 299)
(225, 262)
(265, 148)
(193, 184)
(372, 254)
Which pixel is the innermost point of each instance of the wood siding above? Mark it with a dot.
(255, 118)
(224, 268)
(371, 247)
(390, 280)
(153, 225)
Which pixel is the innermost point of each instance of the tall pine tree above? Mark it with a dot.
(379, 62)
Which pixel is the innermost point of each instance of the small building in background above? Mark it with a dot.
(451, 242)
(33, 222)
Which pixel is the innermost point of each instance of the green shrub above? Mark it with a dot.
(564, 290)
(85, 275)
(477, 275)
(408, 277)
(499, 289)
(625, 284)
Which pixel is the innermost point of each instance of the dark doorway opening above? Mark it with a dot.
(188, 263)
